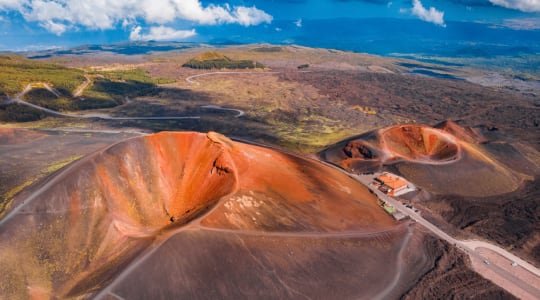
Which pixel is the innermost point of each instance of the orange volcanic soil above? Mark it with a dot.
(420, 143)
(449, 159)
(82, 228)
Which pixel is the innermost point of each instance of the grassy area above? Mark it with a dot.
(133, 75)
(19, 113)
(214, 60)
(17, 72)
(268, 49)
(44, 98)
(110, 88)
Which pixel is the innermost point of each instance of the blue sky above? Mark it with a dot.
(35, 24)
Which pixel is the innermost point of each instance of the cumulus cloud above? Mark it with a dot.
(56, 28)
(59, 15)
(160, 33)
(523, 5)
(10, 4)
(429, 15)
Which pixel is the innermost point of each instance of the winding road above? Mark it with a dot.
(30, 86)
(469, 247)
(191, 81)
(238, 111)
(18, 100)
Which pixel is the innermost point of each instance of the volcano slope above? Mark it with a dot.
(480, 185)
(190, 215)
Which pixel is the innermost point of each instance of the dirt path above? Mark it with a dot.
(469, 247)
(82, 87)
(191, 81)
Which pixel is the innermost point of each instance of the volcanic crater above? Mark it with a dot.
(79, 231)
(419, 144)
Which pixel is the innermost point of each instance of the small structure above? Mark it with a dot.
(392, 211)
(399, 215)
(392, 185)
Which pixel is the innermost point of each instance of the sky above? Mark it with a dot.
(36, 24)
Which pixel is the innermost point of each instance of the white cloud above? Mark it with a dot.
(432, 15)
(107, 14)
(523, 5)
(56, 28)
(248, 16)
(160, 33)
(10, 4)
(522, 24)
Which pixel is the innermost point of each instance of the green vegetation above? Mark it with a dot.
(108, 89)
(19, 113)
(17, 72)
(133, 75)
(55, 166)
(111, 88)
(44, 98)
(214, 60)
(267, 49)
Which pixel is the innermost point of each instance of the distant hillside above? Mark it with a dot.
(53, 86)
(215, 60)
(18, 71)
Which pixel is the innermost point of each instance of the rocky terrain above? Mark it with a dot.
(477, 185)
(202, 205)
(192, 215)
(452, 277)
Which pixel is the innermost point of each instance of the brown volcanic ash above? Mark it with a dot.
(86, 225)
(13, 136)
(105, 210)
(450, 160)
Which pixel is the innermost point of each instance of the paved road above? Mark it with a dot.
(466, 246)
(238, 111)
(30, 86)
(98, 116)
(473, 244)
